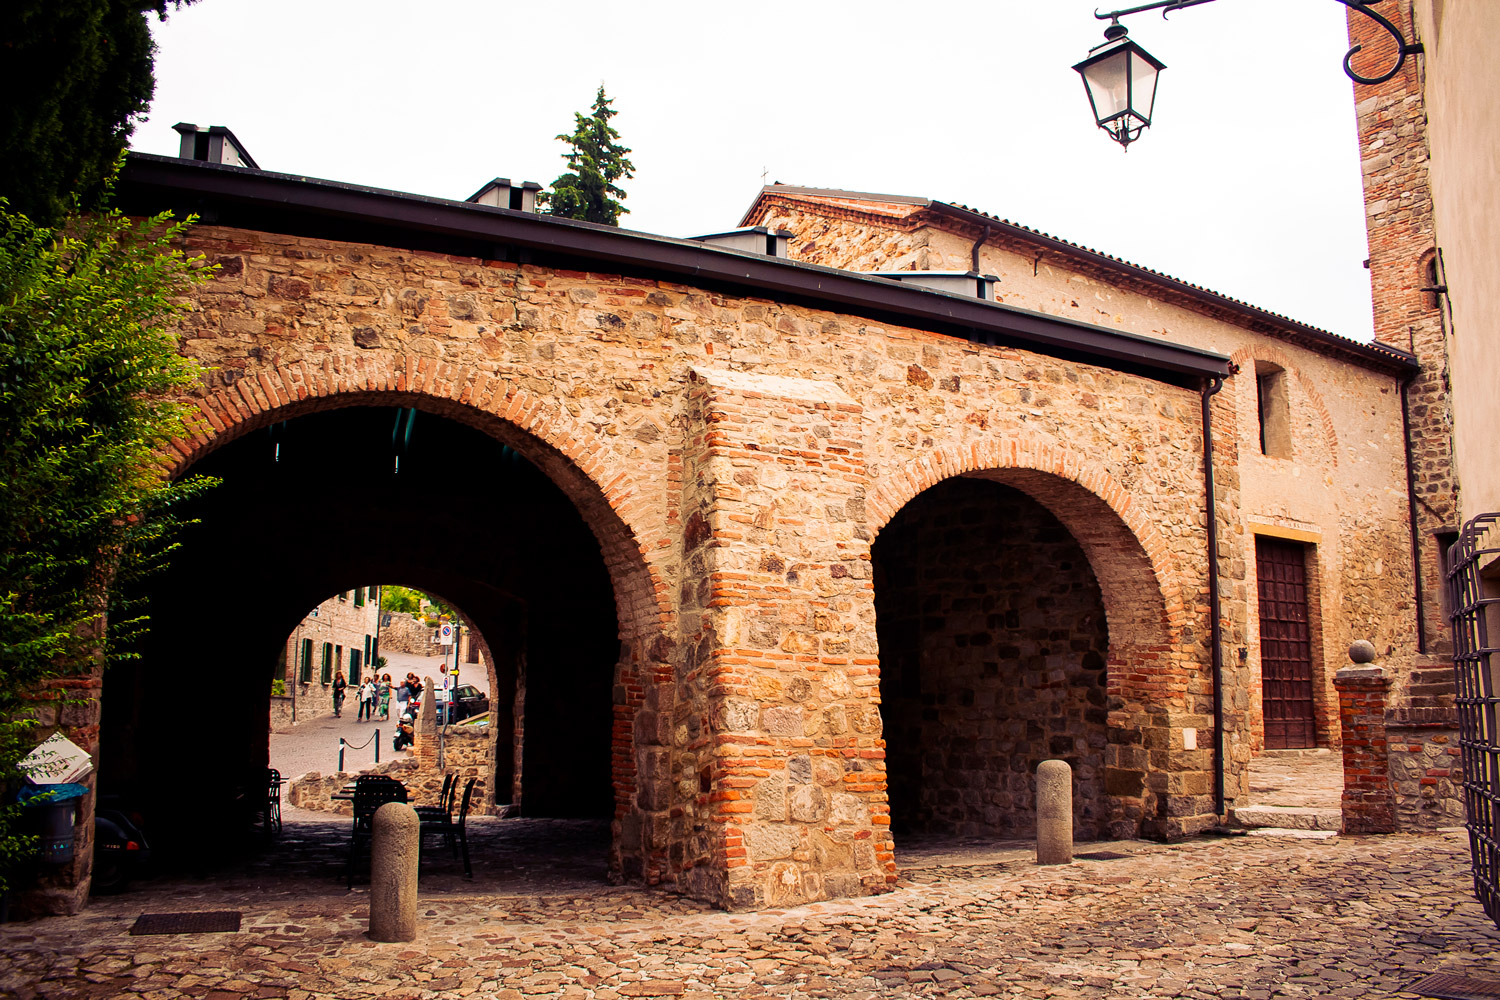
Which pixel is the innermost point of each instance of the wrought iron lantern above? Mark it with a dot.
(1120, 78)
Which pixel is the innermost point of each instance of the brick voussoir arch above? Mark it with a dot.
(1020, 455)
(569, 452)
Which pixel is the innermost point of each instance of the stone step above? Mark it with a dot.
(1287, 817)
(1310, 753)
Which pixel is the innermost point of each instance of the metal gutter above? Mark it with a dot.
(261, 200)
(1411, 513)
(1215, 628)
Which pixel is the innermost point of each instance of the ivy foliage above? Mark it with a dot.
(89, 371)
(589, 190)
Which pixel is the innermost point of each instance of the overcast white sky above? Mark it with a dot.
(1248, 183)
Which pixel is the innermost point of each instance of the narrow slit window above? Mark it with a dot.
(1274, 411)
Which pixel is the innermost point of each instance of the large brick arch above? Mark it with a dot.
(1122, 542)
(609, 498)
(1155, 660)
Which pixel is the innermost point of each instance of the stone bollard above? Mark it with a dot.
(394, 844)
(1054, 813)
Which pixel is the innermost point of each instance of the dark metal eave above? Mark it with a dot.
(256, 199)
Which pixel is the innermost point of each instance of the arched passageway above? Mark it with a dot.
(993, 641)
(318, 504)
(1012, 607)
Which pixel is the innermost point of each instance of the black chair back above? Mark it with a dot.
(371, 791)
(461, 828)
(463, 812)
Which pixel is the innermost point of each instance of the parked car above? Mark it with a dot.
(462, 702)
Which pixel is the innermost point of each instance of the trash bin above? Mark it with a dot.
(51, 813)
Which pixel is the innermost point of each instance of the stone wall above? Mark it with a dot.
(281, 713)
(405, 633)
(1426, 772)
(993, 643)
(1318, 493)
(466, 754)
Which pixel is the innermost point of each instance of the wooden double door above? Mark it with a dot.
(1286, 661)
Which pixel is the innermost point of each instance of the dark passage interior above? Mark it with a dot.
(313, 506)
(992, 653)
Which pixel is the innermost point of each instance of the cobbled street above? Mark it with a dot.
(1252, 917)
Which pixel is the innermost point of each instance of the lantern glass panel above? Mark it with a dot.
(1109, 84)
(1143, 85)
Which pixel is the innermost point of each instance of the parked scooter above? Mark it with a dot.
(120, 849)
(403, 737)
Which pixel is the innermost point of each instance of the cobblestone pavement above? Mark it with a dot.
(1240, 917)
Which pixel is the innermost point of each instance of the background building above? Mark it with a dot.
(339, 634)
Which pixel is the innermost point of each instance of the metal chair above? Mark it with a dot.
(439, 818)
(273, 801)
(371, 791)
(460, 829)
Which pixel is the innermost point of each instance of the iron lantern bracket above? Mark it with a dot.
(1365, 7)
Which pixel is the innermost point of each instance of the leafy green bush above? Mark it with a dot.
(89, 370)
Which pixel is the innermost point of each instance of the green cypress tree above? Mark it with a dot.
(76, 75)
(597, 162)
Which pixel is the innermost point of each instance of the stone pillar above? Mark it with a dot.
(1369, 803)
(777, 763)
(424, 729)
(395, 849)
(1054, 813)
(70, 705)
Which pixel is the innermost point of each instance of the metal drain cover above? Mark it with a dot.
(1101, 856)
(187, 923)
(1441, 984)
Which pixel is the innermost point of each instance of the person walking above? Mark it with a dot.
(367, 701)
(384, 693)
(339, 684)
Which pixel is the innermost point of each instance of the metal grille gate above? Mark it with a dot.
(1286, 680)
(1476, 627)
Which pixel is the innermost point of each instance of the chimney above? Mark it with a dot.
(500, 193)
(751, 239)
(215, 144)
(954, 282)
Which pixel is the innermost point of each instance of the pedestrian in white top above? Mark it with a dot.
(367, 700)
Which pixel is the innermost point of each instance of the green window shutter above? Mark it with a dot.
(359, 597)
(327, 663)
(353, 667)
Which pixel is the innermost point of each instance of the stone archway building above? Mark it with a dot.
(738, 429)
